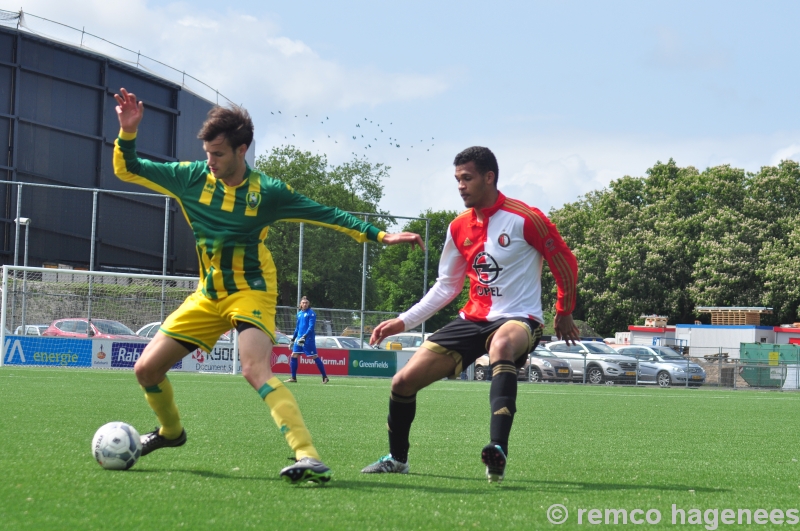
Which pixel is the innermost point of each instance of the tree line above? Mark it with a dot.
(664, 243)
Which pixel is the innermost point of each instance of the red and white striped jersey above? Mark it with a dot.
(503, 258)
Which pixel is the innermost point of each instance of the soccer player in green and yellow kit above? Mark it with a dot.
(230, 208)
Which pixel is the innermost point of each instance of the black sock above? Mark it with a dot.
(503, 399)
(402, 410)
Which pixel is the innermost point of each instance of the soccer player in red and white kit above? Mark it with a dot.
(499, 243)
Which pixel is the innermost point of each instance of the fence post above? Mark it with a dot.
(735, 372)
(91, 262)
(584, 368)
(719, 356)
(25, 277)
(363, 290)
(164, 261)
(235, 356)
(425, 271)
(16, 256)
(300, 266)
(3, 316)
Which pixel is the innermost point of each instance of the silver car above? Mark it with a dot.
(602, 363)
(339, 342)
(545, 366)
(664, 366)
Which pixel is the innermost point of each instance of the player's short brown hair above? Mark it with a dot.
(234, 122)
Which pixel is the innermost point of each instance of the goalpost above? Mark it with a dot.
(97, 314)
(90, 319)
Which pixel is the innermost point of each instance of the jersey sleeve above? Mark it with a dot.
(452, 271)
(167, 178)
(297, 333)
(292, 206)
(543, 236)
(310, 323)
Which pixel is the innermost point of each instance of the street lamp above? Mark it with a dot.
(27, 223)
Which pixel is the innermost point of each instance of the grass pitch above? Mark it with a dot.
(582, 447)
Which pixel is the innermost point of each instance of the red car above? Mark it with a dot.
(100, 328)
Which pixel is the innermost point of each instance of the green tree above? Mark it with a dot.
(399, 271)
(679, 238)
(331, 260)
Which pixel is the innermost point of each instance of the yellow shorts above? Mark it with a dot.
(201, 320)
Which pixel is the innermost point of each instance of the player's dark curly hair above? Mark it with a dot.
(483, 158)
(234, 122)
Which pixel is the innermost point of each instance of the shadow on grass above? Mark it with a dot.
(202, 474)
(369, 485)
(578, 486)
(472, 484)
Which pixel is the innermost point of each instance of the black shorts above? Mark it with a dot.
(467, 341)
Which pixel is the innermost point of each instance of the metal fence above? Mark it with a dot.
(704, 367)
(39, 296)
(37, 226)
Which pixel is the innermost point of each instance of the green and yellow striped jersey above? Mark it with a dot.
(230, 224)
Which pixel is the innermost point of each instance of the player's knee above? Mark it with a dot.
(402, 385)
(145, 374)
(502, 348)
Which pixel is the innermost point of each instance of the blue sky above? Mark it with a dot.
(568, 94)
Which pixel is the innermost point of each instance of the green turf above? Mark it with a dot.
(583, 447)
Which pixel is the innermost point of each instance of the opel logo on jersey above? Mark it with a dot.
(486, 268)
(504, 240)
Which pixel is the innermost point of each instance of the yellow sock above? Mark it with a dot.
(162, 401)
(287, 416)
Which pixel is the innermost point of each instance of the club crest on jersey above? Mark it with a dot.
(504, 240)
(486, 268)
(253, 199)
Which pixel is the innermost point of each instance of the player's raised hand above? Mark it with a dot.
(129, 112)
(386, 329)
(566, 329)
(404, 237)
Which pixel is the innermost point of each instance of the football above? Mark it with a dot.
(116, 446)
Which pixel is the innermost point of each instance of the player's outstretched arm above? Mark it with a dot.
(403, 237)
(386, 329)
(129, 112)
(566, 329)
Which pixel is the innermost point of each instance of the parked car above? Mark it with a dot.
(409, 340)
(31, 330)
(79, 327)
(602, 363)
(664, 366)
(541, 365)
(339, 342)
(149, 331)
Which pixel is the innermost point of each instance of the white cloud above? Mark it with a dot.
(789, 152)
(246, 58)
(549, 171)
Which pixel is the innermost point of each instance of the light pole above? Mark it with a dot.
(27, 223)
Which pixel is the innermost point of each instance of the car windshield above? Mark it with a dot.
(542, 353)
(113, 327)
(667, 354)
(349, 342)
(599, 348)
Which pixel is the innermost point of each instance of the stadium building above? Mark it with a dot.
(58, 123)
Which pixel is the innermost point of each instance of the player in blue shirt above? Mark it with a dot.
(304, 341)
